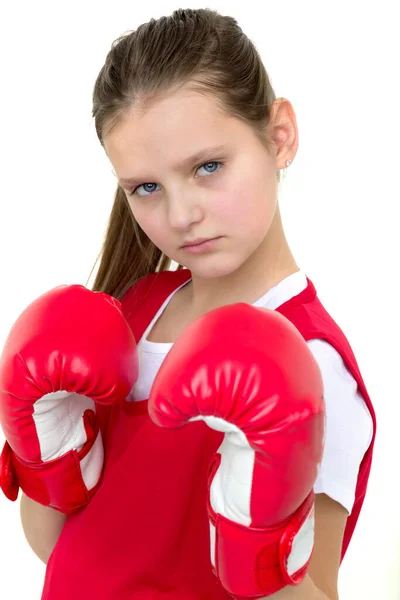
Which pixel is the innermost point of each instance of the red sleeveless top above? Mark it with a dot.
(145, 534)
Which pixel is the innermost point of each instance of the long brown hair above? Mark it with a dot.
(198, 47)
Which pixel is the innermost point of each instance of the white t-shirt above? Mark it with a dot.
(349, 425)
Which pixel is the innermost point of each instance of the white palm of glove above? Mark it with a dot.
(230, 490)
(58, 419)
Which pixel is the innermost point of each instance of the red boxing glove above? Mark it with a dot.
(248, 372)
(69, 349)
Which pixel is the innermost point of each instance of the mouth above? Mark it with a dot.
(200, 245)
(197, 242)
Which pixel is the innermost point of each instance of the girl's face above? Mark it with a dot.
(176, 197)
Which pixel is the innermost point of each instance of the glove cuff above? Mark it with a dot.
(254, 562)
(57, 483)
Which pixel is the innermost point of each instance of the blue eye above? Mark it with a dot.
(144, 185)
(151, 185)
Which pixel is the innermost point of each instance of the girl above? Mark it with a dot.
(186, 114)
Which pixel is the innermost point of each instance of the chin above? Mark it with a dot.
(211, 267)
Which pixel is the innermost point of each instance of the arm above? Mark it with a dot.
(55, 368)
(321, 583)
(307, 590)
(42, 526)
(270, 407)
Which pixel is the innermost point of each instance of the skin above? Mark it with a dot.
(238, 200)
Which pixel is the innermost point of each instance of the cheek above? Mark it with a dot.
(247, 210)
(148, 220)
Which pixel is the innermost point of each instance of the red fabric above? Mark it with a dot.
(145, 534)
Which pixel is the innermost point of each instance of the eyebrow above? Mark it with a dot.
(197, 157)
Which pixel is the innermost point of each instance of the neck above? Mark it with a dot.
(272, 262)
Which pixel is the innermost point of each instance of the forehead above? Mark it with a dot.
(167, 116)
(178, 124)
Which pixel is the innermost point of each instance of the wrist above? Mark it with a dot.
(65, 483)
(253, 562)
(307, 590)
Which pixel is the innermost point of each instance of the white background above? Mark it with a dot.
(337, 62)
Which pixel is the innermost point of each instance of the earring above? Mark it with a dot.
(288, 163)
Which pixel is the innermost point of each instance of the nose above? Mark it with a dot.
(183, 210)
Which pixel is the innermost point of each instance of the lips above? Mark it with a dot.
(197, 242)
(202, 247)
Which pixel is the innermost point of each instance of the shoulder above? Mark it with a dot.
(345, 405)
(349, 427)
